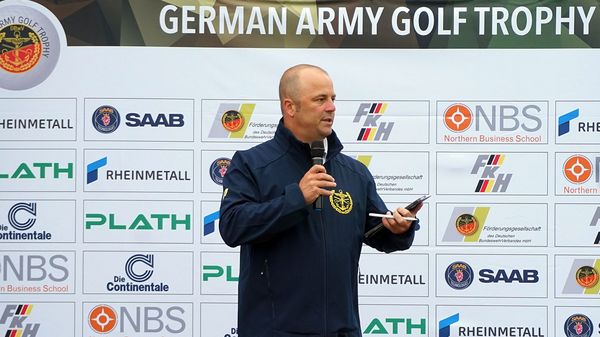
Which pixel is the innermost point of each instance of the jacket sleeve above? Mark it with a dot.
(245, 217)
(384, 240)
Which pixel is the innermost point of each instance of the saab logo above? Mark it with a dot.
(578, 169)
(14, 316)
(231, 120)
(92, 169)
(563, 121)
(458, 117)
(158, 221)
(136, 276)
(218, 169)
(135, 119)
(215, 271)
(459, 275)
(39, 171)
(34, 267)
(583, 277)
(594, 222)
(444, 325)
(341, 201)
(24, 224)
(372, 129)
(139, 319)
(209, 222)
(578, 325)
(525, 276)
(393, 326)
(106, 119)
(102, 319)
(502, 117)
(490, 180)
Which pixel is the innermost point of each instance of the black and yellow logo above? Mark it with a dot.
(341, 201)
(21, 48)
(232, 120)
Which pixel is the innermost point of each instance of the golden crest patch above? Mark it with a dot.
(341, 201)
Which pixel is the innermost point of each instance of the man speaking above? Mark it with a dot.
(301, 220)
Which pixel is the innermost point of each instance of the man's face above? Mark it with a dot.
(314, 108)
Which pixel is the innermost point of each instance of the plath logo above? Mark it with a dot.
(372, 129)
(491, 180)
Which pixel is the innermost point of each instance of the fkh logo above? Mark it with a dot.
(14, 318)
(490, 180)
(372, 129)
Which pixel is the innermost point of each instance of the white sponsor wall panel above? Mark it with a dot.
(128, 217)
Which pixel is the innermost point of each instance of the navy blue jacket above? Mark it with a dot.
(299, 266)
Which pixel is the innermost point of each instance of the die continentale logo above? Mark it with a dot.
(30, 44)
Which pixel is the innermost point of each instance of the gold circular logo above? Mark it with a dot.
(341, 201)
(232, 120)
(21, 48)
(586, 276)
(467, 224)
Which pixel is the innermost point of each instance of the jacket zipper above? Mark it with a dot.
(324, 267)
(266, 271)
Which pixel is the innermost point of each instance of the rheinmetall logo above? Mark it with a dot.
(31, 38)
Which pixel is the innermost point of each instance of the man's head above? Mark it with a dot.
(307, 102)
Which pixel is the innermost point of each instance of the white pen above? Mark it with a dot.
(389, 216)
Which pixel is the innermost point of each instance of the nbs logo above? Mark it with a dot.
(493, 122)
(490, 180)
(40, 272)
(581, 173)
(15, 319)
(135, 319)
(372, 128)
(139, 268)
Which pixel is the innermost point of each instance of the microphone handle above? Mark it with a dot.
(319, 202)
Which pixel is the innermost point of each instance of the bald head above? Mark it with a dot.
(289, 84)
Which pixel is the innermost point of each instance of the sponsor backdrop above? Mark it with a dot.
(118, 120)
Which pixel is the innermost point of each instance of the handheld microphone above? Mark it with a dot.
(317, 151)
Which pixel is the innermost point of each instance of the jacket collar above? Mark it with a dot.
(286, 139)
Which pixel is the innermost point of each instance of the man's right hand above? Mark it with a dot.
(316, 182)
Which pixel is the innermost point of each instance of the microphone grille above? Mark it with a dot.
(317, 149)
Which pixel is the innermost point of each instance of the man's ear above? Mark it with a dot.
(289, 108)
